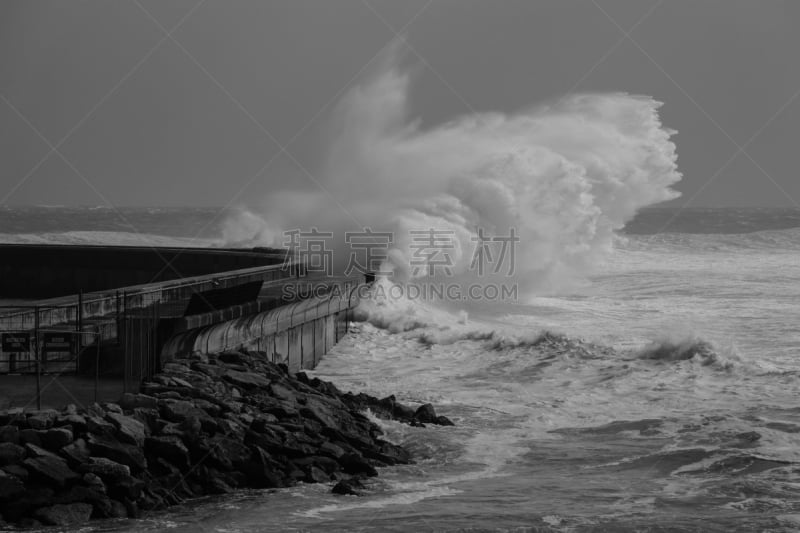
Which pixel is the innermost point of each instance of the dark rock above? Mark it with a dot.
(426, 414)
(11, 453)
(64, 514)
(98, 426)
(10, 486)
(126, 488)
(128, 428)
(112, 408)
(51, 469)
(42, 420)
(56, 438)
(179, 410)
(17, 471)
(94, 482)
(354, 464)
(9, 434)
(37, 451)
(245, 380)
(105, 468)
(348, 487)
(77, 452)
(443, 421)
(77, 422)
(30, 436)
(126, 454)
(169, 447)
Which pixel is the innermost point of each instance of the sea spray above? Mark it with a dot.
(563, 176)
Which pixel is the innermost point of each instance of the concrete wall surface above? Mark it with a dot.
(298, 334)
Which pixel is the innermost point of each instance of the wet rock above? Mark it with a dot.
(443, 421)
(64, 515)
(426, 414)
(348, 487)
(355, 464)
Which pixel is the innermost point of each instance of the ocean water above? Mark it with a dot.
(661, 394)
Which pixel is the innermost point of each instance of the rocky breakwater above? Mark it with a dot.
(208, 425)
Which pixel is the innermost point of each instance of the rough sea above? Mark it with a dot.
(660, 394)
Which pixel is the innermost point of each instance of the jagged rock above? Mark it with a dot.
(42, 420)
(126, 454)
(354, 464)
(105, 468)
(94, 482)
(112, 408)
(245, 380)
(76, 421)
(50, 468)
(11, 453)
(179, 410)
(99, 426)
(64, 514)
(443, 421)
(37, 451)
(56, 438)
(348, 487)
(17, 471)
(129, 401)
(213, 371)
(128, 428)
(169, 447)
(10, 486)
(77, 452)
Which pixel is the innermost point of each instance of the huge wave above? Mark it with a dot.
(563, 175)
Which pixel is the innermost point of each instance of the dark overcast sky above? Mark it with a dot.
(169, 135)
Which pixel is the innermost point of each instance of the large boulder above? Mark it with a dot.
(11, 453)
(169, 447)
(105, 468)
(125, 454)
(51, 469)
(56, 438)
(128, 428)
(179, 410)
(72, 514)
(245, 380)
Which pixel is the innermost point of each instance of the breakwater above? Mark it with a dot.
(208, 424)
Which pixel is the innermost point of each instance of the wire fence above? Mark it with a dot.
(102, 344)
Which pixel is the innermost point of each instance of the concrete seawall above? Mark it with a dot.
(297, 334)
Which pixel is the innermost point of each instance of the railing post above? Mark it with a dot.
(36, 356)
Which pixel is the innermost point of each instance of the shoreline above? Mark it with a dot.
(205, 425)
